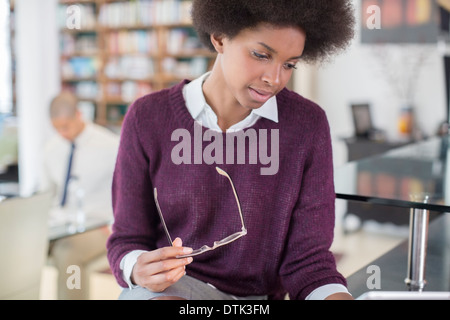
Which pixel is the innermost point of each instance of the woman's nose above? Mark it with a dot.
(272, 76)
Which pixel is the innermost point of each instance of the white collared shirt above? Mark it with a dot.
(93, 165)
(203, 113)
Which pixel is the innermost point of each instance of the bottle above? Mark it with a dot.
(406, 122)
(75, 206)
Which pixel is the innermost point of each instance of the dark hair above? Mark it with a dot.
(329, 24)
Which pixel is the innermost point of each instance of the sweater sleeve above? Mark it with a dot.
(132, 197)
(308, 264)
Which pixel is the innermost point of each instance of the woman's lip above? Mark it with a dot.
(260, 95)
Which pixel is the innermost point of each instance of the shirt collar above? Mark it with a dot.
(196, 102)
(85, 134)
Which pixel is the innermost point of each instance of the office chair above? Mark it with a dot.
(23, 245)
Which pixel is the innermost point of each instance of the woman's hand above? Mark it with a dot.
(159, 269)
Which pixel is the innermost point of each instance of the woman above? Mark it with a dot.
(233, 118)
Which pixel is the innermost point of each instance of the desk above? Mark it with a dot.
(360, 148)
(416, 177)
(63, 230)
(392, 265)
(60, 226)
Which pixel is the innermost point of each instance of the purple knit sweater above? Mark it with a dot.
(289, 215)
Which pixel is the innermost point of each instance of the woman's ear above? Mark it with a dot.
(217, 42)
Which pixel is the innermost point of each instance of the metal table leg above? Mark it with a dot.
(418, 239)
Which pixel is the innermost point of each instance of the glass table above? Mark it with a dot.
(59, 223)
(63, 223)
(62, 230)
(416, 176)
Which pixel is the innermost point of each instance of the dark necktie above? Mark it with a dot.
(69, 169)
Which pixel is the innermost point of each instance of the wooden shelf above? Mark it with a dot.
(129, 65)
(81, 30)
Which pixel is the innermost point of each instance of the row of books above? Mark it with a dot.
(124, 14)
(79, 67)
(115, 92)
(182, 40)
(127, 91)
(185, 68)
(84, 44)
(178, 40)
(145, 13)
(139, 41)
(77, 16)
(115, 113)
(130, 67)
(87, 90)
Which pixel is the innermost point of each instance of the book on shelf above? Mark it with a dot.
(182, 40)
(83, 44)
(87, 109)
(130, 67)
(79, 67)
(84, 90)
(145, 13)
(126, 91)
(87, 14)
(185, 67)
(127, 42)
(116, 113)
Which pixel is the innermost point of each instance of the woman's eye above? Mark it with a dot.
(260, 55)
(290, 66)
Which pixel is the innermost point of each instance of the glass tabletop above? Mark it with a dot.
(64, 223)
(63, 230)
(413, 176)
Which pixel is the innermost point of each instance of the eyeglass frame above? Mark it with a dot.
(216, 244)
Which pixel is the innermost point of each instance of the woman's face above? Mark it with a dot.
(258, 63)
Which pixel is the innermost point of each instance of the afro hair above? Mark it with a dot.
(329, 24)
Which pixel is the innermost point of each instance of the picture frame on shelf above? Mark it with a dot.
(362, 120)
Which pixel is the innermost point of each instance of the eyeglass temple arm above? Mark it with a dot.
(155, 193)
(223, 173)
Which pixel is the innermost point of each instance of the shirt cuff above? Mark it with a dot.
(325, 291)
(127, 264)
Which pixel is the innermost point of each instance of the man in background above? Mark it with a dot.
(83, 153)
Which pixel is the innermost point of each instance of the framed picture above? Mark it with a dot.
(362, 120)
(399, 21)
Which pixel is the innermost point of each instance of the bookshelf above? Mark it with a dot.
(122, 50)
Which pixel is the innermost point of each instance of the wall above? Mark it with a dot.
(361, 75)
(37, 83)
(5, 57)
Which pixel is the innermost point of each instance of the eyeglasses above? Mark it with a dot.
(216, 244)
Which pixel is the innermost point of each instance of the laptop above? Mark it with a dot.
(404, 295)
